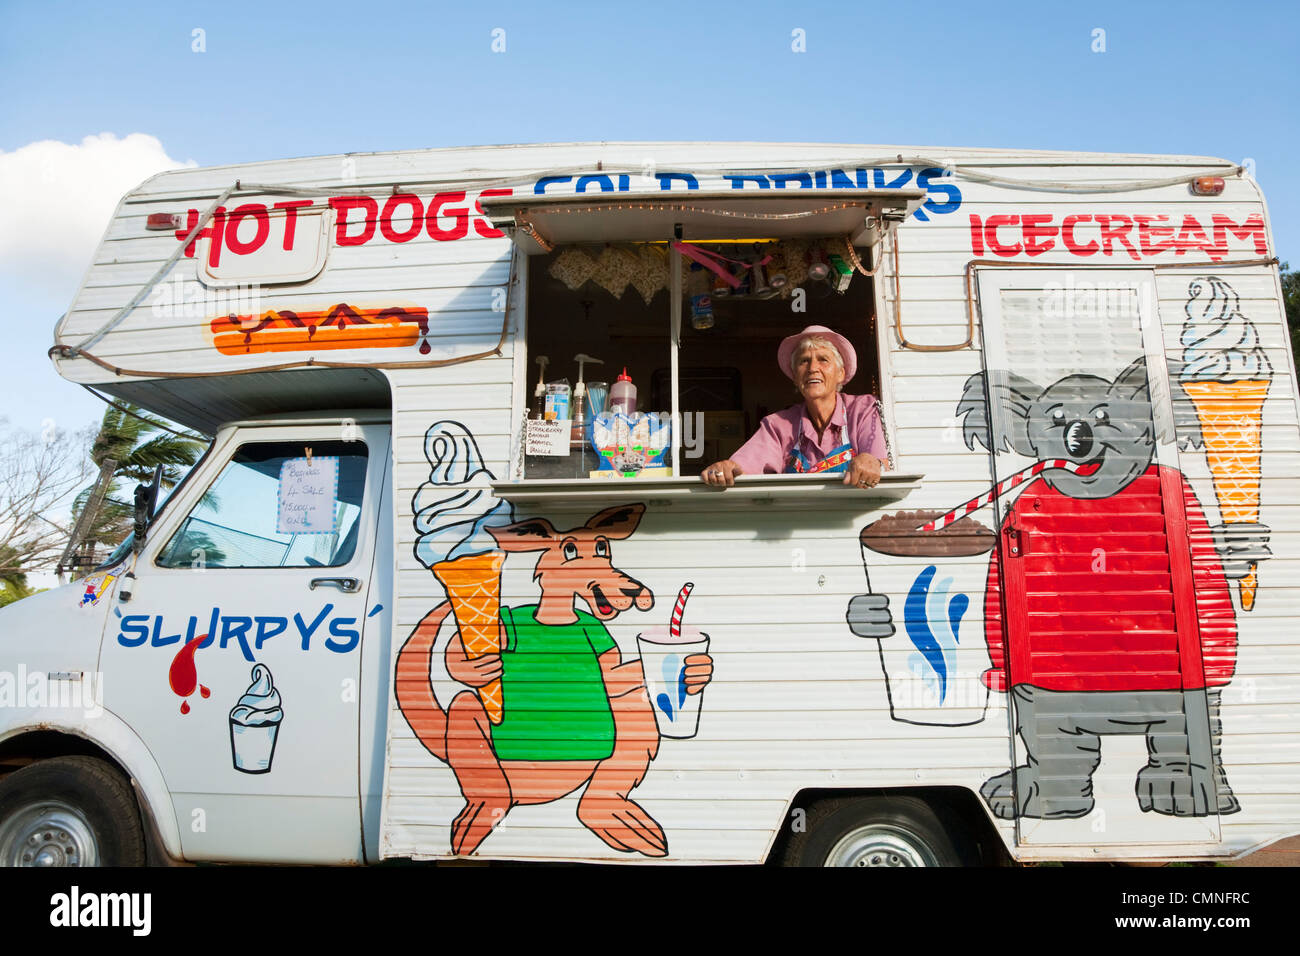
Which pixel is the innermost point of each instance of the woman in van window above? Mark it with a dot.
(828, 432)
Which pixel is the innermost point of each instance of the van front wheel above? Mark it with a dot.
(873, 831)
(69, 811)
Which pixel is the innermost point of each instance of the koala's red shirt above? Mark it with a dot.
(1100, 596)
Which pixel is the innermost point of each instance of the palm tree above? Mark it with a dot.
(124, 437)
(139, 443)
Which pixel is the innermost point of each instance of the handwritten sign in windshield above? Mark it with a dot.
(308, 495)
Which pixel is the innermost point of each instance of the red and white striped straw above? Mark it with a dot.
(675, 625)
(1005, 484)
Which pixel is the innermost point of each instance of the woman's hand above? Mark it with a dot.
(863, 471)
(722, 473)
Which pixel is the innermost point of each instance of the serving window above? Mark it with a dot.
(699, 348)
(727, 372)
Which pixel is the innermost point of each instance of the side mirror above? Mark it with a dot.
(146, 500)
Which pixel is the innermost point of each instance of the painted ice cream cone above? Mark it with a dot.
(474, 587)
(455, 511)
(1231, 416)
(1226, 374)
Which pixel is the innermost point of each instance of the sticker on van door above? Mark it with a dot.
(97, 585)
(552, 706)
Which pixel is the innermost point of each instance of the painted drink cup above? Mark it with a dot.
(663, 659)
(253, 747)
(935, 660)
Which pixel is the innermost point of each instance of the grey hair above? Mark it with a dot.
(816, 342)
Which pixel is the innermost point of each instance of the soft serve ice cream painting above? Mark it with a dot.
(551, 706)
(255, 724)
(453, 511)
(1226, 374)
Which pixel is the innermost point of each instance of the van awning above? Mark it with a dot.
(541, 223)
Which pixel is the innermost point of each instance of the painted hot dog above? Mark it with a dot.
(339, 327)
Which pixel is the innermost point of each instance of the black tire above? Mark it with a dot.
(875, 831)
(69, 811)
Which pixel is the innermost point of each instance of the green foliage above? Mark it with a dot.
(13, 586)
(13, 580)
(130, 440)
(1291, 300)
(139, 442)
(9, 595)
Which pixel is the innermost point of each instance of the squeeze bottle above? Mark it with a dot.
(622, 396)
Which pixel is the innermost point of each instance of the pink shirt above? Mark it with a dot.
(856, 421)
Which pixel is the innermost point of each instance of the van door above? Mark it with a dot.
(1109, 631)
(237, 659)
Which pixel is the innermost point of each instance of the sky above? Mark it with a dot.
(97, 97)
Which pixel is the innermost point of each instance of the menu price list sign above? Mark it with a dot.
(547, 439)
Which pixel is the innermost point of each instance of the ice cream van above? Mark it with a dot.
(449, 583)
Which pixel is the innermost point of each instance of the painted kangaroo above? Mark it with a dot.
(575, 711)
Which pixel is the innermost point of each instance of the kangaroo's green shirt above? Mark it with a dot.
(555, 703)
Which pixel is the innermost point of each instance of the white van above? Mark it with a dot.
(428, 596)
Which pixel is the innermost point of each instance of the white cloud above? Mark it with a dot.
(56, 200)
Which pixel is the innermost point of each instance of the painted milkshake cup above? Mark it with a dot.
(935, 661)
(663, 658)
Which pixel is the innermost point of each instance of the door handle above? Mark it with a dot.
(1014, 540)
(346, 585)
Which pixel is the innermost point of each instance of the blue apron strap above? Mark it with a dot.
(795, 463)
(836, 462)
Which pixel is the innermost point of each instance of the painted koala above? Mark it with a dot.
(1093, 644)
(1098, 554)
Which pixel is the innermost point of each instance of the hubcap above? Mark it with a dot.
(48, 833)
(880, 845)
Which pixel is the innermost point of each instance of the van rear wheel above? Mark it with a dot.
(69, 811)
(875, 831)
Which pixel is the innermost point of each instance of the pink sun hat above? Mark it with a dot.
(788, 344)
